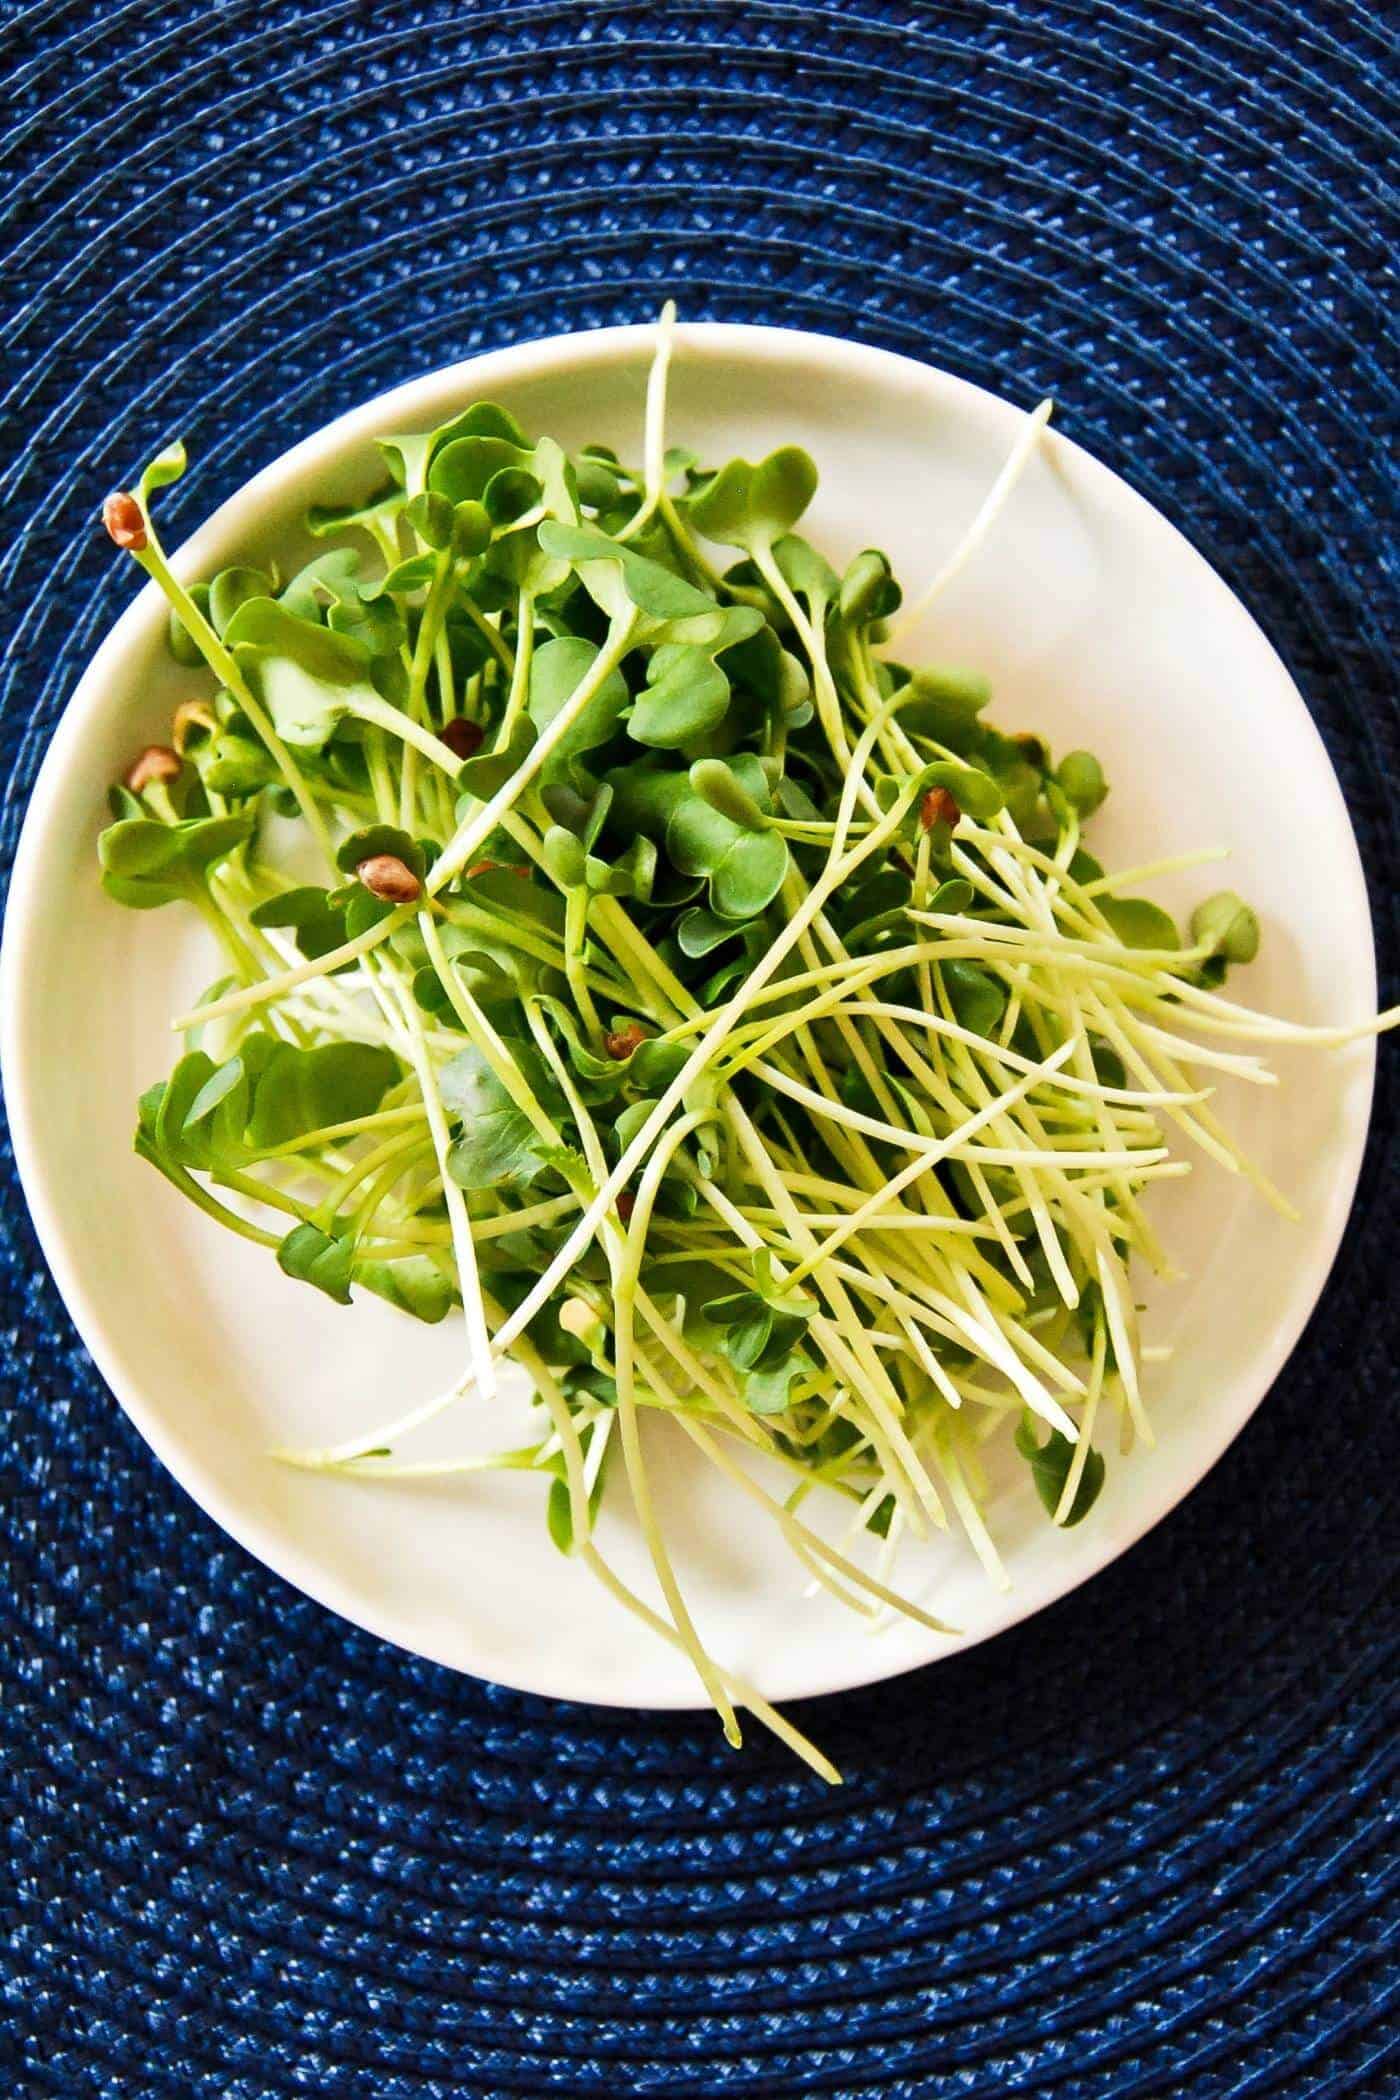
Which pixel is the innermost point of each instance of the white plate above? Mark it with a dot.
(1099, 625)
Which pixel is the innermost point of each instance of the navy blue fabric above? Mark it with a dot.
(1138, 1846)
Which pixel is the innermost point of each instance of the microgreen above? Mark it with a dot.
(1050, 1463)
(322, 1259)
(146, 862)
(714, 1006)
(754, 506)
(1225, 924)
(719, 829)
(498, 1145)
(557, 669)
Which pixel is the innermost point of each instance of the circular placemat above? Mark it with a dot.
(1139, 1845)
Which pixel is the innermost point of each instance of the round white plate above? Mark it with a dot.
(1100, 626)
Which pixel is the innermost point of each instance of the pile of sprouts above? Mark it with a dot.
(702, 1000)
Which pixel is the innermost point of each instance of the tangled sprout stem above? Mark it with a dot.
(714, 1007)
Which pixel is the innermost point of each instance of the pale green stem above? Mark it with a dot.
(227, 670)
(477, 828)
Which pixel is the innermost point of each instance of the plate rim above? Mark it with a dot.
(413, 400)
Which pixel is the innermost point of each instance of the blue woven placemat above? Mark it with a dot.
(1139, 1846)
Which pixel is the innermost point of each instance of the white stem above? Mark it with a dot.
(982, 524)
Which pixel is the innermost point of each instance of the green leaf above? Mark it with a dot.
(430, 516)
(687, 694)
(604, 1073)
(1050, 1464)
(782, 1296)
(766, 1391)
(318, 924)
(752, 506)
(748, 1328)
(269, 1093)
(881, 1517)
(490, 972)
(487, 468)
(745, 875)
(375, 620)
(762, 1326)
(582, 814)
(558, 481)
(559, 1516)
(650, 587)
(511, 895)
(975, 792)
(328, 594)
(462, 469)
(564, 857)
(1081, 781)
(373, 512)
(873, 904)
(404, 578)
(299, 1091)
(1226, 923)
(557, 670)
(225, 1082)
(738, 790)
(463, 527)
(232, 588)
(362, 909)
(164, 1110)
(313, 1257)
(868, 590)
(167, 466)
(598, 483)
(515, 562)
(122, 803)
(977, 998)
(762, 666)
(499, 1146)
(943, 705)
(472, 528)
(233, 765)
(308, 677)
(481, 419)
(511, 495)
(808, 574)
(560, 1510)
(146, 864)
(632, 874)
(407, 460)
(329, 579)
(652, 1066)
(374, 839)
(699, 931)
(481, 778)
(645, 798)
(413, 1282)
(1138, 923)
(148, 1109)
(745, 868)
(178, 639)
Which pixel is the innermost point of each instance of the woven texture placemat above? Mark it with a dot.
(1138, 1846)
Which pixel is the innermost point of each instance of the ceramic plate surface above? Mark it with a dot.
(1100, 626)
